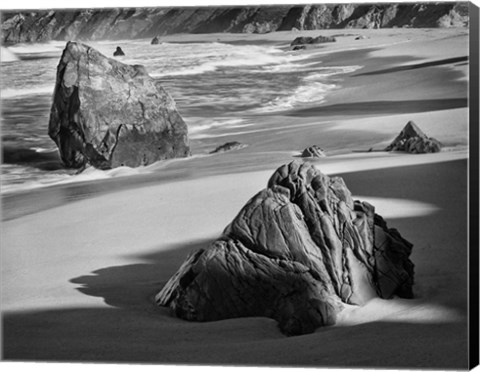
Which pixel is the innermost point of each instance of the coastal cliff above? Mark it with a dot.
(133, 23)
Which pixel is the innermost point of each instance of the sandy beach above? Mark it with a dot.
(82, 261)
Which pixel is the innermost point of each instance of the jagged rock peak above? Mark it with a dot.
(106, 113)
(296, 252)
(313, 152)
(412, 140)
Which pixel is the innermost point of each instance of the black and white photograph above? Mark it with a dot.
(225, 184)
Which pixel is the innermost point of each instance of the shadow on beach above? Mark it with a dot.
(378, 108)
(133, 329)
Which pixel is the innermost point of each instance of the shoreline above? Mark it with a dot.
(81, 261)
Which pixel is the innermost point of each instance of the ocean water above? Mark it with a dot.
(214, 84)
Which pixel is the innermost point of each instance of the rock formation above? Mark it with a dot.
(296, 252)
(154, 41)
(302, 40)
(229, 146)
(128, 23)
(118, 52)
(106, 113)
(412, 140)
(313, 152)
(299, 47)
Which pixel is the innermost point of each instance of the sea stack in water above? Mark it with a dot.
(412, 140)
(296, 252)
(107, 114)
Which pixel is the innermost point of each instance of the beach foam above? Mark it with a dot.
(6, 55)
(309, 93)
(38, 48)
(213, 124)
(7, 93)
(177, 59)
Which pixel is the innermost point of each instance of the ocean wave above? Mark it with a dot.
(212, 124)
(184, 71)
(23, 177)
(6, 93)
(304, 95)
(323, 72)
(38, 48)
(20, 178)
(6, 55)
(212, 56)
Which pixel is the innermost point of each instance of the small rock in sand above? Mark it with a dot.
(313, 152)
(229, 146)
(118, 52)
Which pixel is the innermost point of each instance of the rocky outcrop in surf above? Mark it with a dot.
(412, 140)
(302, 40)
(131, 23)
(228, 146)
(107, 114)
(313, 152)
(296, 252)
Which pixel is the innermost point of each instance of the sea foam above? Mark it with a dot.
(7, 55)
(6, 93)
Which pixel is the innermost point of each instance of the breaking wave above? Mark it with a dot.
(26, 91)
(7, 55)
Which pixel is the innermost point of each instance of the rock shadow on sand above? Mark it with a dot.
(133, 329)
(133, 286)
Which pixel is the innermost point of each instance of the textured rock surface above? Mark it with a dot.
(412, 140)
(313, 152)
(106, 113)
(229, 146)
(128, 23)
(302, 40)
(296, 252)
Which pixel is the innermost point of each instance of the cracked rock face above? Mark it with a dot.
(296, 252)
(412, 140)
(107, 114)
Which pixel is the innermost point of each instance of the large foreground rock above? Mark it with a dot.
(296, 252)
(412, 140)
(106, 113)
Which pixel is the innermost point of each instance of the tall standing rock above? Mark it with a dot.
(107, 114)
(296, 252)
